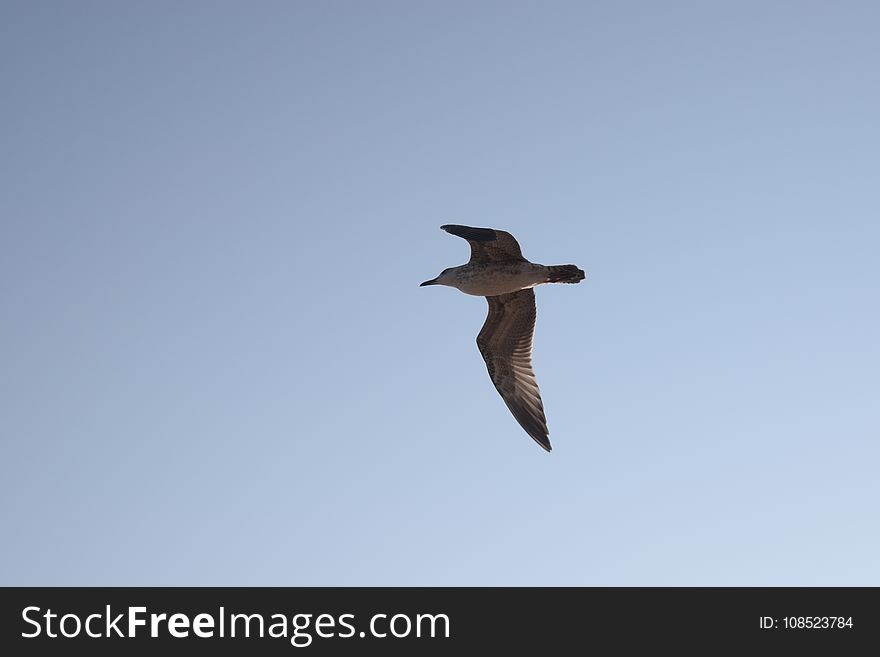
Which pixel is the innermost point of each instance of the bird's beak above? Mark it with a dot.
(433, 281)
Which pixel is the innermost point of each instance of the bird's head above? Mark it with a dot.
(443, 279)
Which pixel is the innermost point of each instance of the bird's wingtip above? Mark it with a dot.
(470, 233)
(544, 442)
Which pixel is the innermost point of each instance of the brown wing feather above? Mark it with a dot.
(488, 244)
(505, 342)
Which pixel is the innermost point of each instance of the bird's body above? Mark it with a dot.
(484, 279)
(498, 271)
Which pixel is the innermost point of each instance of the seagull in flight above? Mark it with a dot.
(498, 271)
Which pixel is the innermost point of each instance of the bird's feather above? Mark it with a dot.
(505, 342)
(488, 244)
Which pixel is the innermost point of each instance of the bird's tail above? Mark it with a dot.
(565, 274)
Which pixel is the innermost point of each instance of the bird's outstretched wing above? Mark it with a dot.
(505, 342)
(488, 244)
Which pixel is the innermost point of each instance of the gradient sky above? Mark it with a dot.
(218, 367)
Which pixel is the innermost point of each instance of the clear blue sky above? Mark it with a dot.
(218, 367)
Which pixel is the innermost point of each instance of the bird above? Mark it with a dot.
(498, 271)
